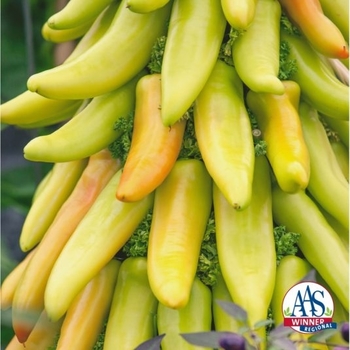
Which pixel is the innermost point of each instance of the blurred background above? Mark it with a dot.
(23, 53)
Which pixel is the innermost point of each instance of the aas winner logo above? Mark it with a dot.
(308, 307)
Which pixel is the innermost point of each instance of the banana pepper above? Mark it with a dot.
(279, 122)
(131, 319)
(182, 206)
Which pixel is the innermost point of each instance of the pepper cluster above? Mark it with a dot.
(202, 84)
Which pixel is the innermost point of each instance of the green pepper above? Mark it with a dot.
(256, 56)
(279, 122)
(318, 242)
(61, 183)
(341, 127)
(223, 322)
(134, 307)
(246, 247)
(182, 205)
(319, 85)
(224, 134)
(196, 316)
(195, 34)
(327, 183)
(115, 59)
(291, 270)
(89, 131)
(102, 232)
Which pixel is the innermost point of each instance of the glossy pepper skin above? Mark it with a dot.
(327, 184)
(85, 317)
(182, 206)
(10, 282)
(256, 56)
(134, 307)
(90, 131)
(105, 228)
(246, 247)
(318, 84)
(222, 321)
(323, 35)
(239, 13)
(279, 122)
(44, 209)
(318, 242)
(42, 336)
(188, 63)
(95, 72)
(196, 316)
(154, 147)
(224, 135)
(29, 296)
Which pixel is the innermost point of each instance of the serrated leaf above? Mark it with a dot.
(151, 344)
(233, 310)
(207, 339)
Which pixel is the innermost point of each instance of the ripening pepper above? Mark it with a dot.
(239, 13)
(154, 147)
(29, 296)
(279, 122)
(196, 316)
(131, 319)
(87, 314)
(44, 209)
(102, 232)
(323, 35)
(182, 205)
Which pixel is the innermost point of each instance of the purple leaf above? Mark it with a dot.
(207, 339)
(280, 332)
(283, 343)
(151, 344)
(233, 310)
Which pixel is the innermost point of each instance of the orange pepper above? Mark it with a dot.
(154, 146)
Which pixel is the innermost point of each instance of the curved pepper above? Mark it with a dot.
(319, 85)
(318, 29)
(181, 210)
(318, 242)
(86, 315)
(341, 152)
(256, 56)
(29, 296)
(224, 134)
(154, 147)
(246, 247)
(115, 59)
(77, 12)
(133, 310)
(102, 232)
(188, 63)
(44, 209)
(279, 122)
(196, 316)
(327, 183)
(141, 6)
(88, 132)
